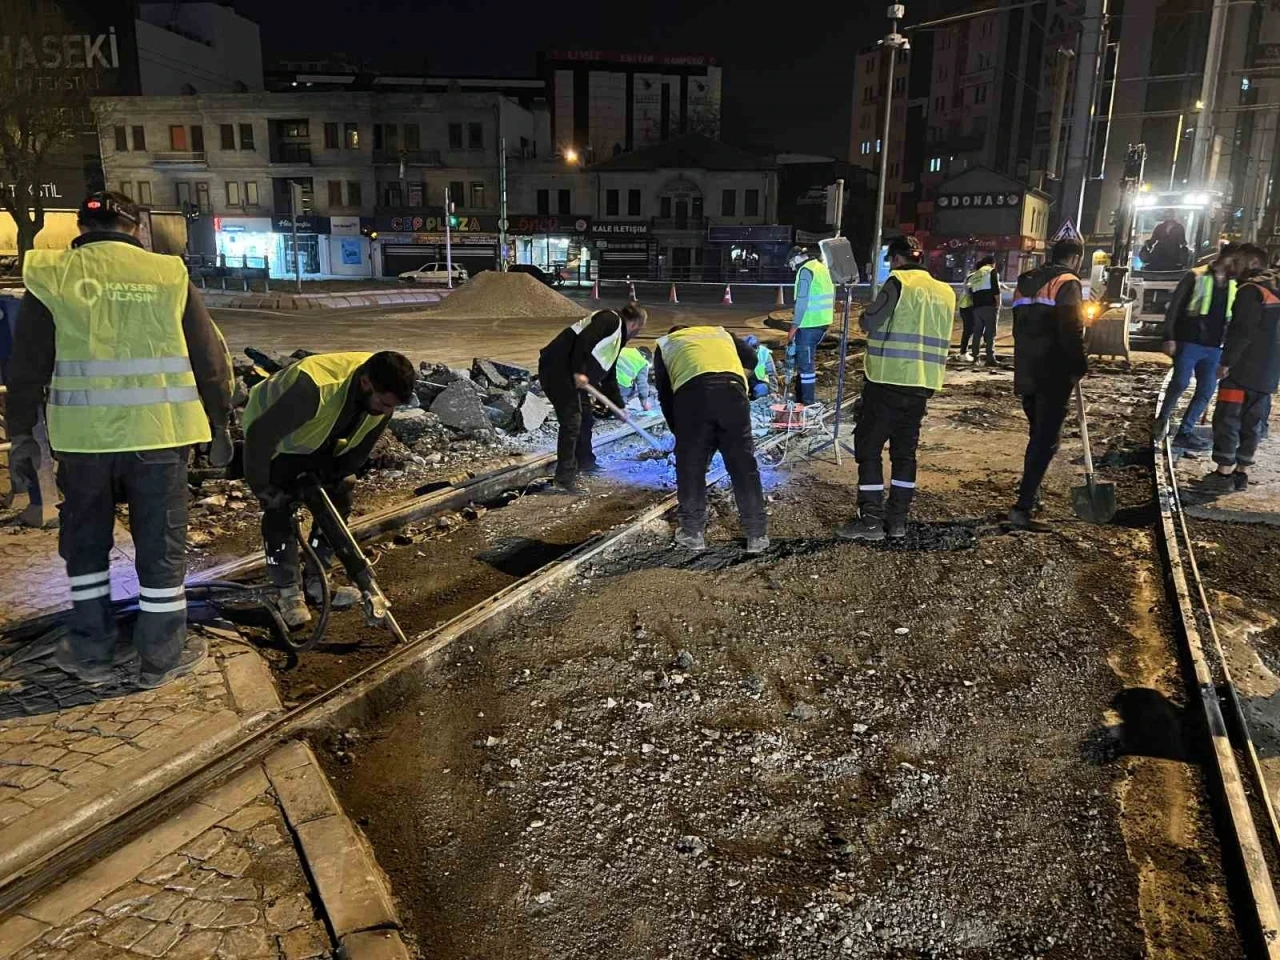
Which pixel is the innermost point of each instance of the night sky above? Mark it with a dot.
(788, 78)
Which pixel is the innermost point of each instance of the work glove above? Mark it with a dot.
(221, 449)
(273, 498)
(24, 464)
(791, 351)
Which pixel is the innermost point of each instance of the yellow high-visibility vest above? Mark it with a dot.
(334, 376)
(1202, 293)
(820, 308)
(122, 377)
(910, 350)
(607, 350)
(631, 364)
(693, 351)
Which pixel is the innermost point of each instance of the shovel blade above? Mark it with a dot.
(1094, 502)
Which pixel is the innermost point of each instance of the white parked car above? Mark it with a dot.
(435, 273)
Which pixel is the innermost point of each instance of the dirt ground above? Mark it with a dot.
(970, 744)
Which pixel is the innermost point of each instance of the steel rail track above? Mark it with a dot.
(1215, 688)
(379, 686)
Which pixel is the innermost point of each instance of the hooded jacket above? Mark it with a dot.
(1048, 331)
(1251, 353)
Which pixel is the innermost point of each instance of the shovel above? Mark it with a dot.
(1094, 502)
(627, 419)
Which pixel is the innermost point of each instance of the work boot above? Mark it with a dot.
(293, 607)
(1159, 428)
(590, 468)
(1217, 482)
(895, 528)
(569, 486)
(862, 528)
(1191, 443)
(339, 599)
(91, 674)
(690, 541)
(1240, 481)
(757, 544)
(188, 661)
(990, 360)
(1023, 520)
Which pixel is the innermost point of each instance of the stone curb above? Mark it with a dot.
(251, 687)
(353, 891)
(304, 302)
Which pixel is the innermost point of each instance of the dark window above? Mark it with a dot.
(353, 193)
(178, 138)
(544, 202)
(564, 201)
(144, 192)
(184, 195)
(197, 138)
(455, 136)
(351, 136)
(251, 193)
(611, 203)
(697, 208)
(331, 136)
(751, 204)
(457, 194)
(295, 129)
(728, 203)
(633, 203)
(335, 193)
(392, 194)
(233, 193)
(377, 136)
(227, 136)
(391, 137)
(412, 137)
(202, 197)
(122, 139)
(139, 138)
(664, 208)
(416, 191)
(475, 136)
(246, 136)
(477, 195)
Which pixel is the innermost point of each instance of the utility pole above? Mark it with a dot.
(894, 41)
(1082, 109)
(502, 204)
(1061, 68)
(1208, 96)
(448, 238)
(295, 201)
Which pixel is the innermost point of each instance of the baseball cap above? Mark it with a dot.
(906, 246)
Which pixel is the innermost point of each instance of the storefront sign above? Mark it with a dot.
(351, 253)
(308, 223)
(527, 224)
(344, 226)
(991, 244)
(765, 233)
(241, 225)
(957, 201)
(435, 223)
(636, 229)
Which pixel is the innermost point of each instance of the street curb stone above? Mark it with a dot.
(251, 687)
(373, 945)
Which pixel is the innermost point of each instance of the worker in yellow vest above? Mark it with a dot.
(700, 373)
(321, 416)
(983, 288)
(815, 308)
(632, 369)
(908, 331)
(136, 374)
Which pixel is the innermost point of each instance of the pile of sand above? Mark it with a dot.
(498, 296)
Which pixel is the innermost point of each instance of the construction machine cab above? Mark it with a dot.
(1174, 231)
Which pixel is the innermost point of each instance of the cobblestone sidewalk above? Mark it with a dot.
(33, 579)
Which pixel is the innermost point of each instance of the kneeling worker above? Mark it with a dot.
(764, 372)
(585, 352)
(702, 386)
(137, 374)
(321, 416)
(634, 365)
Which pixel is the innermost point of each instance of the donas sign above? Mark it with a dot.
(956, 201)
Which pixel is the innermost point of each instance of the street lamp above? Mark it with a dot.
(570, 155)
(895, 42)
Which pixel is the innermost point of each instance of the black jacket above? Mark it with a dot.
(570, 353)
(1252, 351)
(988, 296)
(1048, 331)
(1207, 330)
(661, 379)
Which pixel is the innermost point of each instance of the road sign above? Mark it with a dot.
(1067, 231)
(502, 224)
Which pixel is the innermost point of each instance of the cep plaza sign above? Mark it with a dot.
(987, 201)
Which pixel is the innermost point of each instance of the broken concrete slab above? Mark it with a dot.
(484, 370)
(411, 425)
(511, 371)
(459, 408)
(533, 413)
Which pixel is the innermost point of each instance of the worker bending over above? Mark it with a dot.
(137, 374)
(319, 417)
(702, 386)
(1048, 360)
(632, 371)
(586, 352)
(764, 372)
(983, 287)
(908, 331)
(1249, 372)
(1194, 327)
(815, 308)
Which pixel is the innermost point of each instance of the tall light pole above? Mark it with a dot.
(895, 42)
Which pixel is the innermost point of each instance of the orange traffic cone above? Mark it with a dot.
(595, 290)
(671, 297)
(728, 297)
(781, 301)
(631, 290)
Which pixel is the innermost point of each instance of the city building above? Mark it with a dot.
(186, 48)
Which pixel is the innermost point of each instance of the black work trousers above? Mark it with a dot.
(711, 413)
(279, 541)
(573, 412)
(887, 416)
(1046, 411)
(1239, 422)
(966, 321)
(984, 328)
(154, 485)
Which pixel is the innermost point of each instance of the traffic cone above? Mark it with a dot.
(671, 297)
(595, 290)
(728, 297)
(781, 301)
(631, 290)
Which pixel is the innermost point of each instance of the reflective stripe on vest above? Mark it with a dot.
(122, 378)
(631, 363)
(333, 375)
(979, 280)
(1202, 293)
(820, 307)
(763, 356)
(911, 349)
(607, 350)
(693, 351)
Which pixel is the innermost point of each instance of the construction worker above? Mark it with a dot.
(633, 369)
(1194, 327)
(320, 417)
(765, 371)
(814, 310)
(908, 331)
(1249, 370)
(137, 374)
(983, 287)
(585, 352)
(1048, 360)
(964, 304)
(700, 373)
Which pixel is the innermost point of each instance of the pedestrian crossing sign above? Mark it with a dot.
(1067, 231)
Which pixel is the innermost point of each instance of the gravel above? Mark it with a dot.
(493, 295)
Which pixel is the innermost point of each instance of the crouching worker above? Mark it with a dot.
(764, 372)
(633, 368)
(700, 373)
(321, 416)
